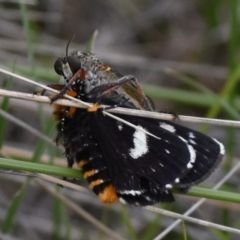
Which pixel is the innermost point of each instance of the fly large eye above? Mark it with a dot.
(58, 66)
(74, 64)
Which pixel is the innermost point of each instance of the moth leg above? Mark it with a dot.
(70, 162)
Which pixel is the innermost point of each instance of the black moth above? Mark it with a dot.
(140, 165)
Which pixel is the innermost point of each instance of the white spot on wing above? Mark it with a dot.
(177, 180)
(222, 148)
(120, 126)
(130, 192)
(169, 186)
(189, 165)
(167, 127)
(192, 142)
(140, 144)
(148, 198)
(122, 201)
(191, 135)
(191, 152)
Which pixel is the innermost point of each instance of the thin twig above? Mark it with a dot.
(27, 127)
(131, 112)
(124, 111)
(192, 220)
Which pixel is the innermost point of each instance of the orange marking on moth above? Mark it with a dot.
(81, 163)
(109, 195)
(71, 111)
(59, 111)
(95, 183)
(71, 93)
(89, 173)
(93, 108)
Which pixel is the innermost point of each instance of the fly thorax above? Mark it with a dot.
(89, 61)
(91, 81)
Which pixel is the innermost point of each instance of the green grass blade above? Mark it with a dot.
(39, 168)
(12, 210)
(214, 194)
(91, 42)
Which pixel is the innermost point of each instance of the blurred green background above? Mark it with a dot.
(184, 53)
